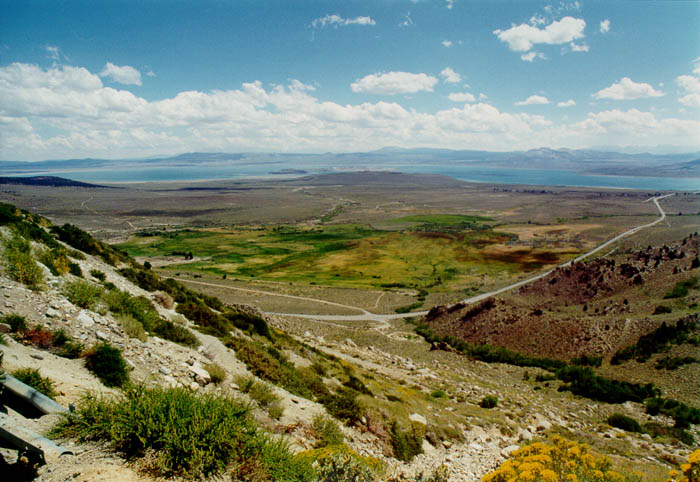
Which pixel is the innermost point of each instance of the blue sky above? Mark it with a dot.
(127, 79)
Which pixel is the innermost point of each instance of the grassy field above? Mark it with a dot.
(433, 252)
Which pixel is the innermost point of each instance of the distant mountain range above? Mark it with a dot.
(582, 161)
(51, 181)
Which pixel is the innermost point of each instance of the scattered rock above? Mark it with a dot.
(418, 418)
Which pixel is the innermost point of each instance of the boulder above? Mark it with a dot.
(418, 418)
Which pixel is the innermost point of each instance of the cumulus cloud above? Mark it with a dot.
(391, 83)
(338, 21)
(461, 97)
(449, 4)
(122, 74)
(533, 100)
(579, 47)
(53, 52)
(446, 43)
(690, 86)
(627, 89)
(449, 76)
(568, 103)
(531, 56)
(604, 26)
(521, 38)
(67, 112)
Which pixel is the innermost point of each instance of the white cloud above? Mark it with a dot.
(579, 48)
(483, 96)
(449, 4)
(530, 56)
(521, 38)
(338, 21)
(627, 89)
(150, 73)
(391, 83)
(67, 112)
(533, 99)
(691, 88)
(568, 103)
(461, 97)
(449, 76)
(689, 83)
(122, 74)
(604, 26)
(53, 52)
(407, 21)
(446, 43)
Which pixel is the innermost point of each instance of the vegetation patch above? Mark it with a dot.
(406, 443)
(584, 382)
(488, 401)
(682, 288)
(32, 377)
(178, 433)
(657, 341)
(20, 263)
(623, 422)
(327, 431)
(107, 363)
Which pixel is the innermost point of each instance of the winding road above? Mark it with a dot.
(365, 315)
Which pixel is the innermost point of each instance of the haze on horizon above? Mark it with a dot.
(126, 79)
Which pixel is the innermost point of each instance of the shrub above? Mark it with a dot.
(356, 384)
(80, 240)
(38, 337)
(340, 464)
(587, 361)
(406, 444)
(275, 410)
(74, 269)
(690, 472)
(488, 401)
(56, 260)
(216, 372)
(131, 326)
(17, 322)
(327, 431)
(97, 274)
(107, 363)
(32, 377)
(624, 422)
(184, 434)
(656, 341)
(83, 293)
(343, 405)
(682, 414)
(438, 394)
(20, 264)
(674, 362)
(682, 288)
(258, 391)
(544, 461)
(658, 430)
(661, 309)
(582, 381)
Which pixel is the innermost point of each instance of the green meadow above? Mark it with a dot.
(429, 252)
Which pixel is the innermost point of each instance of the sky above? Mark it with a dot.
(125, 79)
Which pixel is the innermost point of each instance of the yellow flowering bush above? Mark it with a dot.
(690, 472)
(559, 461)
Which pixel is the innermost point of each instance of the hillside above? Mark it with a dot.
(52, 181)
(298, 400)
(591, 308)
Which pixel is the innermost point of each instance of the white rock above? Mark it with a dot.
(51, 313)
(418, 418)
(101, 336)
(427, 447)
(524, 435)
(200, 372)
(508, 451)
(85, 319)
(165, 370)
(194, 386)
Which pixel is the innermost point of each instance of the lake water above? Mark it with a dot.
(466, 172)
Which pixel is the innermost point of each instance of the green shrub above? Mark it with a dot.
(584, 382)
(56, 260)
(624, 422)
(488, 401)
(682, 288)
(438, 394)
(184, 434)
(343, 405)
(356, 384)
(338, 463)
(269, 365)
(658, 430)
(131, 326)
(675, 362)
(71, 349)
(80, 240)
(20, 264)
(258, 391)
(409, 308)
(97, 274)
(17, 322)
(275, 410)
(216, 372)
(107, 363)
(327, 431)
(587, 361)
(74, 269)
(83, 293)
(406, 444)
(682, 414)
(656, 341)
(32, 377)
(661, 310)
